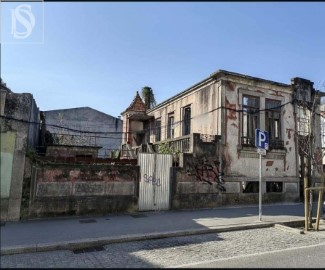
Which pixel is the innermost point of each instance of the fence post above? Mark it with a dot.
(306, 204)
(319, 206)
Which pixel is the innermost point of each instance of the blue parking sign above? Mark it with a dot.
(262, 139)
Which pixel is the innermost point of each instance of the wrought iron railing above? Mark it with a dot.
(276, 144)
(248, 141)
(273, 143)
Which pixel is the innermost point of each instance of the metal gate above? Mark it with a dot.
(154, 188)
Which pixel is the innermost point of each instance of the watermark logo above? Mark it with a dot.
(22, 22)
(22, 14)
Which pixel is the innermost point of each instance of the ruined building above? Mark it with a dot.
(19, 129)
(225, 109)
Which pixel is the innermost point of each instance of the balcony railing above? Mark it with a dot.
(273, 143)
(180, 144)
(194, 142)
(276, 144)
(248, 141)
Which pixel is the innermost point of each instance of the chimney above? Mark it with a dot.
(302, 89)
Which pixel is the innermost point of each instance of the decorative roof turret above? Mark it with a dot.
(137, 105)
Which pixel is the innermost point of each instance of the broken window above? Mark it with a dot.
(303, 121)
(147, 132)
(158, 130)
(186, 120)
(250, 119)
(273, 123)
(322, 119)
(274, 186)
(170, 126)
(251, 187)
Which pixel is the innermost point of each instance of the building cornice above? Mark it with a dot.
(183, 93)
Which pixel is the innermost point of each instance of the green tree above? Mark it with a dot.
(148, 97)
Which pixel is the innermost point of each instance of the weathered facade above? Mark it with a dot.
(135, 123)
(209, 128)
(322, 126)
(74, 188)
(84, 127)
(19, 127)
(231, 106)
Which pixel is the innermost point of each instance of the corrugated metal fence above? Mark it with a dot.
(154, 189)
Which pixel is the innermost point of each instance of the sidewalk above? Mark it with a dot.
(79, 232)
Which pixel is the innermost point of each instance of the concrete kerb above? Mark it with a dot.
(288, 229)
(94, 242)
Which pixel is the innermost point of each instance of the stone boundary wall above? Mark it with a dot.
(80, 189)
(197, 185)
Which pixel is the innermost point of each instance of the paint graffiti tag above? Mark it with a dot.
(152, 179)
(204, 171)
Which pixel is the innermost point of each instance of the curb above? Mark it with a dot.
(95, 242)
(288, 229)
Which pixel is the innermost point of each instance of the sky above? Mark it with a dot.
(98, 54)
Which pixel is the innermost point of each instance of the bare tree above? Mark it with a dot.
(309, 135)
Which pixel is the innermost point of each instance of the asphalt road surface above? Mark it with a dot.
(270, 247)
(299, 257)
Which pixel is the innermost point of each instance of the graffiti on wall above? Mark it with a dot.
(207, 171)
(152, 179)
(113, 174)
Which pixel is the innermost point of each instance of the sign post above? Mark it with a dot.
(262, 144)
(260, 192)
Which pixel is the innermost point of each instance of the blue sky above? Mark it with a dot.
(100, 54)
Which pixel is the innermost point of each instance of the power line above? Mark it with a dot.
(161, 127)
(89, 136)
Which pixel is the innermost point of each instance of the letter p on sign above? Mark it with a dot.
(261, 139)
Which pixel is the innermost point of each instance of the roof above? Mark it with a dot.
(221, 72)
(137, 105)
(80, 108)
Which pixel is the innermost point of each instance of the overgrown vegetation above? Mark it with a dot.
(31, 153)
(148, 97)
(164, 148)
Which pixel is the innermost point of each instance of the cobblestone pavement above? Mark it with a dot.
(169, 252)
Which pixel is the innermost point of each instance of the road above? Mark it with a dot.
(270, 247)
(300, 257)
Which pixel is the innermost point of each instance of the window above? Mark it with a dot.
(158, 129)
(273, 122)
(186, 121)
(303, 121)
(322, 119)
(147, 131)
(170, 126)
(274, 186)
(250, 119)
(251, 187)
